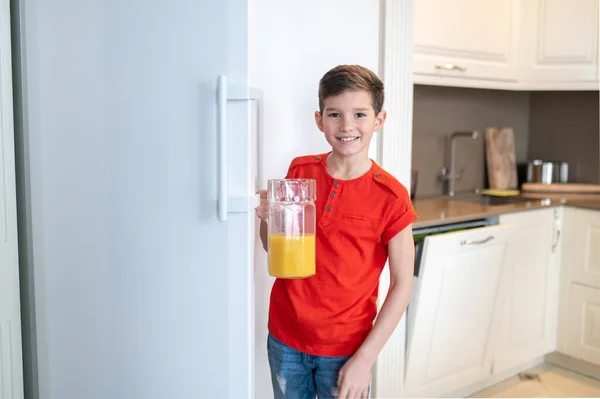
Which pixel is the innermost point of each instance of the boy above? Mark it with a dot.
(322, 340)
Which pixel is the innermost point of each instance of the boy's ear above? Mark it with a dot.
(379, 119)
(319, 120)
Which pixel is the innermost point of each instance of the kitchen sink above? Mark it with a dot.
(492, 200)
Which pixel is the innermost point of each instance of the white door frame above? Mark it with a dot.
(395, 149)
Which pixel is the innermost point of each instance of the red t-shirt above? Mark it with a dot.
(332, 312)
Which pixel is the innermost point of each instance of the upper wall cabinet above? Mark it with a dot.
(468, 40)
(507, 44)
(560, 42)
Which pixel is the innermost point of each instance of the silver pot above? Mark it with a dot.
(547, 172)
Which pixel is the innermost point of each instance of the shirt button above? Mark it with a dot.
(332, 195)
(317, 159)
(328, 207)
(335, 184)
(378, 175)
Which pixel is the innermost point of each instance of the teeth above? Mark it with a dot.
(347, 138)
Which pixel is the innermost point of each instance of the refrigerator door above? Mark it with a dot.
(183, 274)
(11, 365)
(140, 290)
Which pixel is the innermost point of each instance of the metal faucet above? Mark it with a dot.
(452, 176)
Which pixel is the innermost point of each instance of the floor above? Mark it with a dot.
(547, 381)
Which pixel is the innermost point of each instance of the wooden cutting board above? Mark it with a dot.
(501, 158)
(562, 188)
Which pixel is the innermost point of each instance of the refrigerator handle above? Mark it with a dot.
(224, 94)
(222, 148)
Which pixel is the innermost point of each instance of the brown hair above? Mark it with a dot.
(351, 77)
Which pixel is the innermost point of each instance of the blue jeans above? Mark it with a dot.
(297, 375)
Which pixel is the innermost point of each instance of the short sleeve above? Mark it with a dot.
(400, 214)
(291, 173)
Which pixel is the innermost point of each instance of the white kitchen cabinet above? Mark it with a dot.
(579, 327)
(530, 307)
(456, 305)
(559, 43)
(507, 44)
(468, 40)
(583, 338)
(582, 246)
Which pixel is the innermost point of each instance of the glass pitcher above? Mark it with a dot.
(292, 227)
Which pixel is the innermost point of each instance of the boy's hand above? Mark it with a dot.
(354, 378)
(262, 211)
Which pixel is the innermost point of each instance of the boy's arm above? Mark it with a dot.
(401, 252)
(355, 375)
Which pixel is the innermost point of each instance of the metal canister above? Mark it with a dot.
(547, 172)
(534, 171)
(564, 172)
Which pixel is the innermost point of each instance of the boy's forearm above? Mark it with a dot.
(393, 308)
(263, 235)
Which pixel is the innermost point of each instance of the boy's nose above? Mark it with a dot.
(347, 127)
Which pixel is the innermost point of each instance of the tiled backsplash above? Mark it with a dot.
(558, 126)
(439, 111)
(565, 126)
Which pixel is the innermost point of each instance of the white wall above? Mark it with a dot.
(292, 44)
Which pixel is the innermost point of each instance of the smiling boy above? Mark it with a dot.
(323, 337)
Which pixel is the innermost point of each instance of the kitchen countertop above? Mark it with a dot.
(438, 210)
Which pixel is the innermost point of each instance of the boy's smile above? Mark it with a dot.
(348, 121)
(347, 139)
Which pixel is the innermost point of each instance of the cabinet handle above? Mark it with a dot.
(476, 242)
(450, 67)
(557, 228)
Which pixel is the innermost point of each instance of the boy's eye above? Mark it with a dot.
(334, 114)
(361, 115)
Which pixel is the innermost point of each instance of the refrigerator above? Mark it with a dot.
(137, 141)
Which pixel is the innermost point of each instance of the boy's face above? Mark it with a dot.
(348, 121)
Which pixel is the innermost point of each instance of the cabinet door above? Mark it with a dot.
(469, 39)
(455, 307)
(583, 337)
(582, 252)
(560, 41)
(530, 308)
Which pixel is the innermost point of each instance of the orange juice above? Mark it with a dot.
(292, 257)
